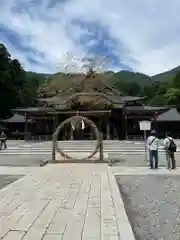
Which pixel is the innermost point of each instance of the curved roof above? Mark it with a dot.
(172, 115)
(16, 118)
(88, 85)
(34, 110)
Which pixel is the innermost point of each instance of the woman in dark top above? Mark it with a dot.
(3, 139)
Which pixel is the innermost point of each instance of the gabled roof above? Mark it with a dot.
(90, 82)
(16, 118)
(132, 98)
(144, 108)
(88, 85)
(172, 115)
(33, 110)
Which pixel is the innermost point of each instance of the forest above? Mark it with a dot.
(20, 88)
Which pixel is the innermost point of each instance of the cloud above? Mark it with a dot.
(137, 35)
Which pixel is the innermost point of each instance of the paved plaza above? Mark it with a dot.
(64, 201)
(67, 201)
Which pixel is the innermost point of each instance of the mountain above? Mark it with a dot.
(127, 76)
(143, 79)
(41, 77)
(61, 79)
(121, 78)
(166, 75)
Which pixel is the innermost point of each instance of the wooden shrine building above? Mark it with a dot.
(169, 121)
(117, 116)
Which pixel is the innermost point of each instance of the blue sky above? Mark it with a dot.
(55, 35)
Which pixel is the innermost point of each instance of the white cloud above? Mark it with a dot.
(146, 32)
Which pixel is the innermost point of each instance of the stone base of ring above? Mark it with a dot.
(80, 155)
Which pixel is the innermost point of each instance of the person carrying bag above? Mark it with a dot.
(170, 148)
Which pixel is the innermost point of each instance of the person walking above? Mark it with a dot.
(153, 145)
(3, 139)
(170, 148)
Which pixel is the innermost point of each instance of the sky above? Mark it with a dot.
(57, 35)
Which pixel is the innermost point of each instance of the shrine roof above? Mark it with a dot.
(16, 118)
(84, 112)
(146, 108)
(33, 110)
(131, 98)
(171, 115)
(60, 101)
(88, 84)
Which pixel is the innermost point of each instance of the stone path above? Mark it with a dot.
(67, 201)
(64, 201)
(17, 170)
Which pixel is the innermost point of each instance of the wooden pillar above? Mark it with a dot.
(114, 134)
(99, 124)
(54, 140)
(107, 130)
(101, 152)
(26, 128)
(33, 129)
(55, 123)
(126, 127)
(124, 121)
(71, 131)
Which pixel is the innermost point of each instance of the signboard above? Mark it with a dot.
(145, 125)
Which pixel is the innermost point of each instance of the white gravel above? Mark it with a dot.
(153, 205)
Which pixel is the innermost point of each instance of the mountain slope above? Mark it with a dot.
(123, 76)
(165, 76)
(127, 76)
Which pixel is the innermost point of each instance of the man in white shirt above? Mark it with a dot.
(153, 145)
(170, 148)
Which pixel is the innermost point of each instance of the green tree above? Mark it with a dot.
(175, 82)
(158, 100)
(129, 88)
(17, 88)
(173, 96)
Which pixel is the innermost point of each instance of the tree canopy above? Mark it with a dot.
(17, 87)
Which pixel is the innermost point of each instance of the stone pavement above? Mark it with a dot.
(64, 201)
(5, 170)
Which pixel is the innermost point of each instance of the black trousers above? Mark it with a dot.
(3, 143)
(171, 160)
